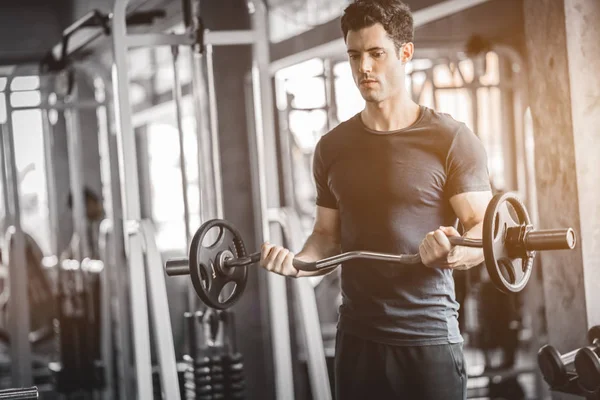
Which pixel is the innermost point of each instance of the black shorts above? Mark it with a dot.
(370, 370)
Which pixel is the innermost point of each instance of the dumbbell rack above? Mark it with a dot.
(215, 367)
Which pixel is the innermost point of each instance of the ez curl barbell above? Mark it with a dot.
(509, 245)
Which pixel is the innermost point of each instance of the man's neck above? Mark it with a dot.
(392, 114)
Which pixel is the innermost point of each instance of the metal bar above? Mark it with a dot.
(80, 105)
(229, 38)
(218, 38)
(85, 105)
(76, 178)
(159, 39)
(82, 22)
(214, 133)
(131, 204)
(48, 138)
(266, 148)
(338, 47)
(177, 97)
(202, 140)
(5, 181)
(182, 164)
(118, 262)
(111, 345)
(106, 280)
(198, 89)
(18, 306)
(308, 313)
(165, 349)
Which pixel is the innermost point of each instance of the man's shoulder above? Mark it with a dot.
(446, 123)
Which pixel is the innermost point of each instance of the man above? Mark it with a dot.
(396, 178)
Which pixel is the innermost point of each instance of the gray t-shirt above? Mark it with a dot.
(391, 189)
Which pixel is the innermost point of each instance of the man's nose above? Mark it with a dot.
(365, 66)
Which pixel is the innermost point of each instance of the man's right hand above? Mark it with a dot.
(277, 259)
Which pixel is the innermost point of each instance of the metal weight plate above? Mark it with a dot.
(594, 334)
(508, 273)
(208, 275)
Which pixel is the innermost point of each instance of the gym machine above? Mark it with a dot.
(201, 41)
(215, 369)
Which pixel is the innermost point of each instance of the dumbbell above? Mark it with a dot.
(556, 368)
(587, 362)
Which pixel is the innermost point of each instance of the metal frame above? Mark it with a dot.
(134, 239)
(112, 240)
(18, 306)
(265, 153)
(266, 136)
(132, 209)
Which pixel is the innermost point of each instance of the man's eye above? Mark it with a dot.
(377, 54)
(354, 57)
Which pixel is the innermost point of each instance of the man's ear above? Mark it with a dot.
(406, 52)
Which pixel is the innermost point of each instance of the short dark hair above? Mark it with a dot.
(394, 15)
(88, 194)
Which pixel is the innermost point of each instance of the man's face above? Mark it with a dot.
(377, 66)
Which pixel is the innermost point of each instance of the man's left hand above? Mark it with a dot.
(437, 252)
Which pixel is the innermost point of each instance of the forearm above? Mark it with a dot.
(318, 247)
(469, 257)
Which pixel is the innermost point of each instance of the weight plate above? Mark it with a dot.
(594, 334)
(509, 274)
(207, 274)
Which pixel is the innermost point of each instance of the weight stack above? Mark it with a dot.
(235, 379)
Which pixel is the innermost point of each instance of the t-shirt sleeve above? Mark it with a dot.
(325, 197)
(466, 164)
